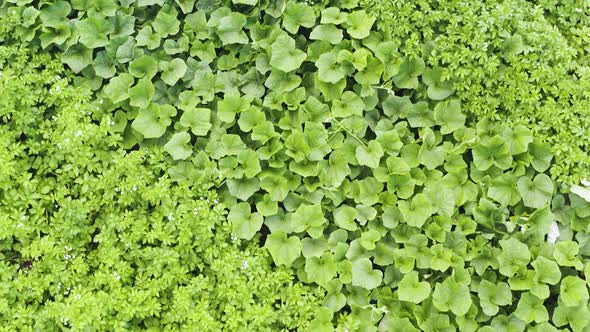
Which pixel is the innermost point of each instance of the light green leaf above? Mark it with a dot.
(412, 290)
(327, 32)
(142, 93)
(172, 71)
(118, 88)
(369, 156)
(178, 146)
(198, 120)
(447, 114)
(359, 24)
(282, 249)
(449, 295)
(284, 55)
(537, 193)
(245, 224)
(363, 274)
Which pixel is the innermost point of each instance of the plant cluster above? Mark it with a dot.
(347, 149)
(94, 238)
(520, 62)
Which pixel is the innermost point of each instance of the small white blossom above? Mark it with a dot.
(67, 257)
(117, 189)
(59, 146)
(67, 140)
(134, 188)
(101, 101)
(59, 285)
(233, 238)
(77, 297)
(245, 264)
(65, 321)
(79, 133)
(578, 10)
(171, 216)
(116, 276)
(553, 233)
(20, 225)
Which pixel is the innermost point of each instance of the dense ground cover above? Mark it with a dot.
(282, 165)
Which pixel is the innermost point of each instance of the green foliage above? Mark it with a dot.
(95, 238)
(529, 67)
(366, 160)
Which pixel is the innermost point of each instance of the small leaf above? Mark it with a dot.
(537, 193)
(359, 24)
(326, 32)
(447, 114)
(198, 119)
(371, 155)
(173, 71)
(118, 88)
(142, 93)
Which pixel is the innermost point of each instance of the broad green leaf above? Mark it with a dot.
(282, 249)
(284, 55)
(493, 295)
(245, 224)
(409, 70)
(198, 120)
(153, 121)
(449, 295)
(537, 193)
(363, 274)
(573, 291)
(437, 88)
(349, 104)
(333, 15)
(327, 32)
(165, 24)
(142, 93)
(359, 24)
(77, 57)
(566, 254)
(547, 271)
(515, 256)
(371, 155)
(296, 15)
(178, 146)
(144, 66)
(531, 309)
(243, 188)
(577, 317)
(329, 70)
(321, 269)
(490, 152)
(412, 290)
(173, 71)
(417, 211)
(420, 115)
(118, 88)
(94, 31)
(518, 138)
(447, 114)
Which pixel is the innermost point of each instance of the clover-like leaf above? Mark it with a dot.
(284, 250)
(566, 254)
(547, 271)
(245, 224)
(537, 193)
(178, 146)
(284, 55)
(412, 290)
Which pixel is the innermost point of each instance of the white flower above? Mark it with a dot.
(79, 133)
(553, 233)
(245, 264)
(77, 297)
(578, 10)
(171, 216)
(233, 238)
